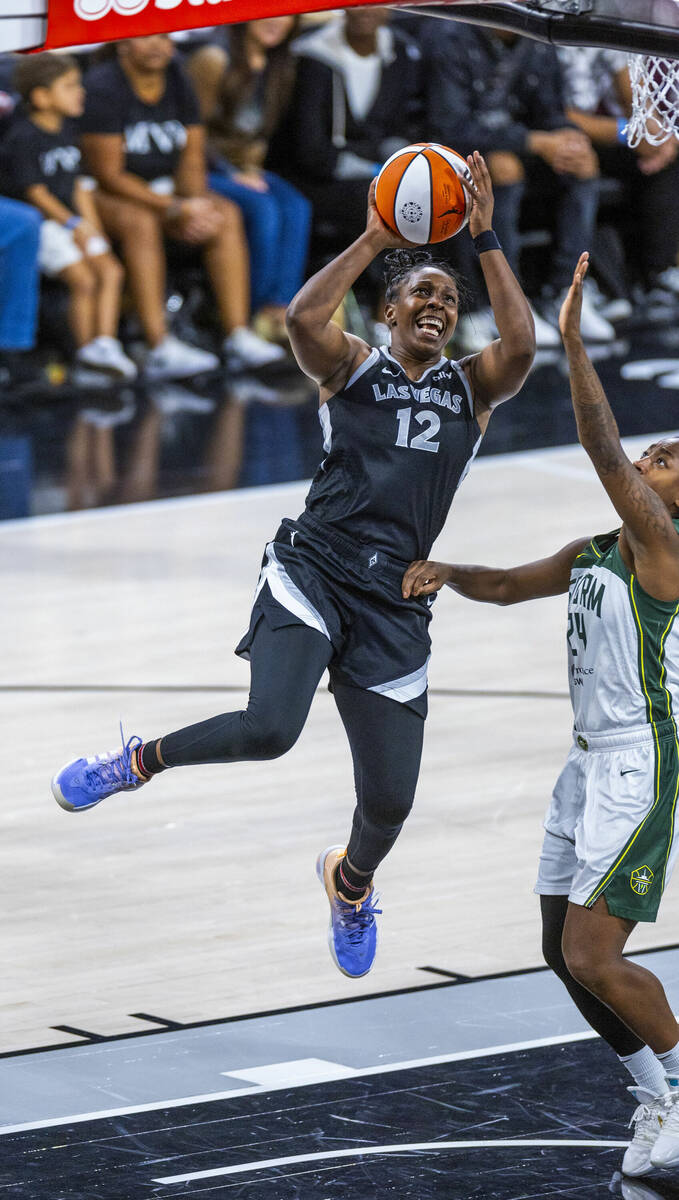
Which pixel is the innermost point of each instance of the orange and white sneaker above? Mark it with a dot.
(352, 932)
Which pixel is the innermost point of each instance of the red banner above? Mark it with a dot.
(79, 22)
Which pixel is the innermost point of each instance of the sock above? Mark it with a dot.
(148, 761)
(669, 1061)
(349, 882)
(646, 1070)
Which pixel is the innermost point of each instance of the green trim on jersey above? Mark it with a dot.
(652, 839)
(653, 620)
(596, 550)
(634, 884)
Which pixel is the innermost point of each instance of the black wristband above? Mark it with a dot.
(488, 240)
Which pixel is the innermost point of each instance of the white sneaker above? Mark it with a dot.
(616, 308)
(172, 359)
(619, 309)
(106, 354)
(546, 335)
(243, 348)
(637, 1191)
(475, 330)
(665, 1152)
(593, 326)
(647, 1122)
(669, 279)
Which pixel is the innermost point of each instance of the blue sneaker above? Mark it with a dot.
(84, 782)
(352, 933)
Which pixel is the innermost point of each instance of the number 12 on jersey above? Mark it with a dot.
(431, 423)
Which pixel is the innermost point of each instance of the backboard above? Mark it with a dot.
(642, 26)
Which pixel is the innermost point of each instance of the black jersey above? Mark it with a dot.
(33, 155)
(397, 451)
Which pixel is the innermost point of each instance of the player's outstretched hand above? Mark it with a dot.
(481, 191)
(378, 230)
(569, 317)
(423, 578)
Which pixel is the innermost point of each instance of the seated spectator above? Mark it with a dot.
(19, 277)
(501, 94)
(145, 145)
(42, 163)
(244, 93)
(358, 99)
(599, 101)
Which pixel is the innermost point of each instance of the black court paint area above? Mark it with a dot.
(572, 1092)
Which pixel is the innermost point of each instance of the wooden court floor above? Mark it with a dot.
(172, 902)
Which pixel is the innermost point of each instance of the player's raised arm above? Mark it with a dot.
(496, 585)
(324, 351)
(499, 370)
(645, 494)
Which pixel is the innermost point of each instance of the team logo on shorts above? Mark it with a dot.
(640, 880)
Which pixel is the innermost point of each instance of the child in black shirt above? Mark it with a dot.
(145, 145)
(43, 167)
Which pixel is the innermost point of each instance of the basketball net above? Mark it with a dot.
(655, 99)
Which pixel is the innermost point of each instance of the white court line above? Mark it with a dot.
(382, 1069)
(530, 458)
(407, 1148)
(293, 1073)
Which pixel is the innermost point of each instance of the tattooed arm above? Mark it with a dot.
(649, 541)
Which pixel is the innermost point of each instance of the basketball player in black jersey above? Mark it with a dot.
(401, 428)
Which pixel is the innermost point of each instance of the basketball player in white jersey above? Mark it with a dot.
(611, 831)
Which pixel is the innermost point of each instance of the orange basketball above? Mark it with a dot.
(419, 193)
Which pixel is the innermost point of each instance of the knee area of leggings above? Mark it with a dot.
(387, 811)
(269, 739)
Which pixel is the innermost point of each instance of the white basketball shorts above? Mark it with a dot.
(611, 826)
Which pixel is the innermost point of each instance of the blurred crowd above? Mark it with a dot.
(221, 167)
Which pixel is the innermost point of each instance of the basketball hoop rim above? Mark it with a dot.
(558, 29)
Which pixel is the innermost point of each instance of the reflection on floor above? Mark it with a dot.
(430, 1093)
(61, 450)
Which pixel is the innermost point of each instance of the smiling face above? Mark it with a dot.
(659, 466)
(423, 315)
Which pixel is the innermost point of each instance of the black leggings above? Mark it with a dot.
(601, 1018)
(385, 737)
